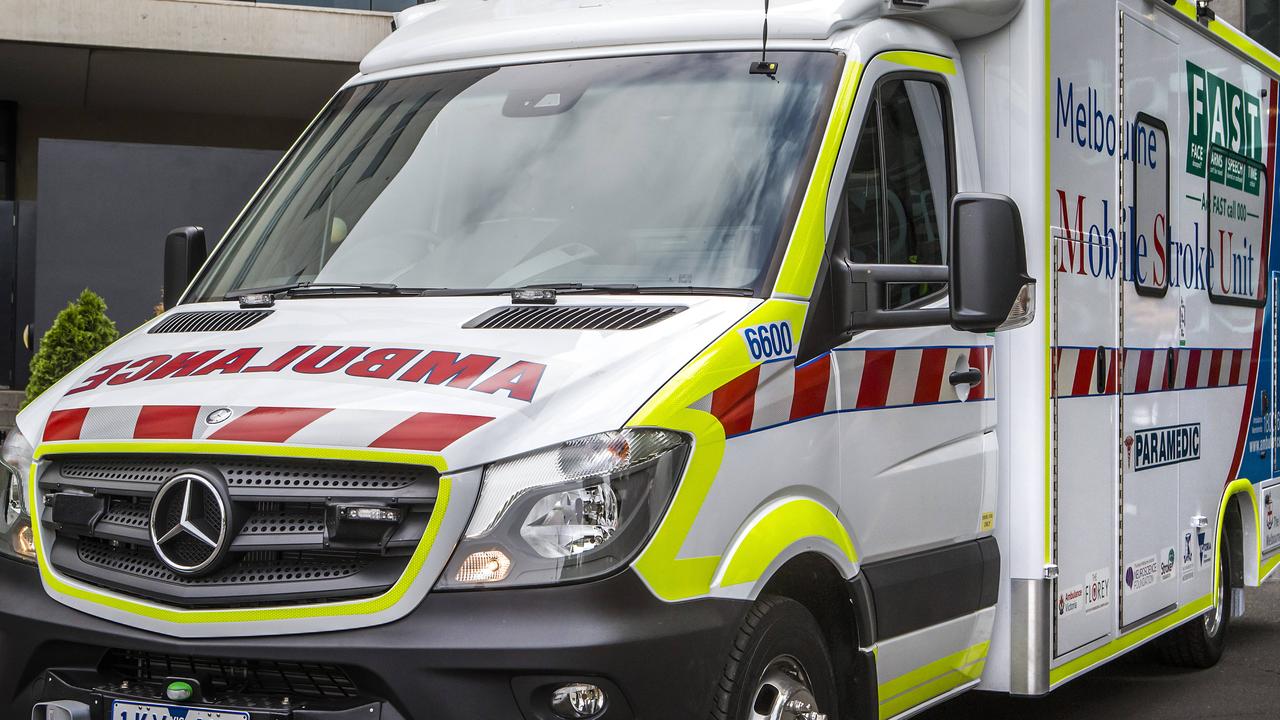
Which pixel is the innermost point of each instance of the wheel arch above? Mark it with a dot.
(1238, 533)
(845, 613)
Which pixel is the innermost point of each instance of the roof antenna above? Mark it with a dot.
(764, 66)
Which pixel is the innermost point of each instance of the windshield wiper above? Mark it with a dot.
(599, 288)
(694, 290)
(311, 289)
(619, 288)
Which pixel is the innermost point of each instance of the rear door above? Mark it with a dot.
(1153, 438)
(1086, 242)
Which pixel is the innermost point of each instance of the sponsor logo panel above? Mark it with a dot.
(1270, 519)
(1071, 600)
(1097, 590)
(1168, 562)
(1189, 551)
(1140, 575)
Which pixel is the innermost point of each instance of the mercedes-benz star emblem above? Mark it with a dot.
(189, 524)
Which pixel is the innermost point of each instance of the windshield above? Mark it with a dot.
(657, 171)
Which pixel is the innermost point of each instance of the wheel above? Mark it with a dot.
(1199, 644)
(779, 667)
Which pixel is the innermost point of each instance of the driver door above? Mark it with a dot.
(918, 475)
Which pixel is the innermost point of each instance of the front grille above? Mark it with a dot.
(289, 567)
(210, 321)
(248, 473)
(573, 317)
(221, 677)
(282, 548)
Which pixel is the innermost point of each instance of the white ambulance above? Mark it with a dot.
(653, 360)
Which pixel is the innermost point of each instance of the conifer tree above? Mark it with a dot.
(79, 332)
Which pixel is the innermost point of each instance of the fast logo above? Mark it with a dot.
(479, 373)
(1221, 114)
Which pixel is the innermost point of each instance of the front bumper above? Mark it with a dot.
(457, 656)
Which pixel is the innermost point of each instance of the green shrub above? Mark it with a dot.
(79, 332)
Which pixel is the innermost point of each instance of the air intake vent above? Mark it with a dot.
(573, 317)
(210, 321)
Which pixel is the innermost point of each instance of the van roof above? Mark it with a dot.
(451, 30)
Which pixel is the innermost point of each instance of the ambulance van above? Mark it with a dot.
(681, 360)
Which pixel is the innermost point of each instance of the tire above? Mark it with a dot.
(779, 667)
(1199, 644)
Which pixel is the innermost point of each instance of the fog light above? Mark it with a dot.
(486, 566)
(24, 541)
(578, 700)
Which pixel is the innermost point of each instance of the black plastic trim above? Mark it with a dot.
(864, 610)
(923, 589)
(573, 317)
(457, 656)
(199, 321)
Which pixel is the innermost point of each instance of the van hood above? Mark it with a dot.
(394, 373)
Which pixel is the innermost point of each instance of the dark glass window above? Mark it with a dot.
(899, 183)
(1262, 23)
(862, 191)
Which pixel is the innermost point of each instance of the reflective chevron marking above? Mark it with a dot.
(404, 430)
(1148, 370)
(778, 392)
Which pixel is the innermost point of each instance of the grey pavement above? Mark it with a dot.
(1245, 684)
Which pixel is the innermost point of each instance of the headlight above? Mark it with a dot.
(16, 539)
(571, 512)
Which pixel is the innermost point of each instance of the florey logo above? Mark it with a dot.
(486, 374)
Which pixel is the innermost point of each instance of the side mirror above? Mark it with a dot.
(184, 253)
(987, 277)
(990, 287)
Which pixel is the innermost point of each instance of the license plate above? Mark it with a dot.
(139, 711)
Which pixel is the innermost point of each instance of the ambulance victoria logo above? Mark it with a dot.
(189, 524)
(1158, 447)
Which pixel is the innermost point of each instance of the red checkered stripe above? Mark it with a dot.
(1150, 370)
(421, 431)
(1076, 370)
(779, 392)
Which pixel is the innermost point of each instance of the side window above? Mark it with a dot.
(863, 196)
(1150, 246)
(899, 184)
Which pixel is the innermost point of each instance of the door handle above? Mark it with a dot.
(972, 376)
(1100, 369)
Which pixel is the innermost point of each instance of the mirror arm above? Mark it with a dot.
(900, 273)
(928, 317)
(868, 284)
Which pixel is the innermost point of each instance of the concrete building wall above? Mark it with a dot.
(134, 116)
(220, 27)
